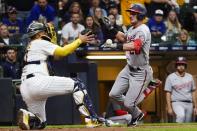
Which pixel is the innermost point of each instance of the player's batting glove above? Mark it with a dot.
(107, 23)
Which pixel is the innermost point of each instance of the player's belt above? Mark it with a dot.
(30, 76)
(134, 68)
(33, 62)
(187, 101)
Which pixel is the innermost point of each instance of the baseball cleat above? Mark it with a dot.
(23, 119)
(90, 123)
(134, 122)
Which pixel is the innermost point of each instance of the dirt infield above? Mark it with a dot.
(143, 127)
(73, 129)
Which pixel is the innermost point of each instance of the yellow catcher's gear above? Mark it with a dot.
(67, 49)
(51, 32)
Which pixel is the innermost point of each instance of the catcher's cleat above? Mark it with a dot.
(92, 123)
(155, 83)
(23, 119)
(134, 122)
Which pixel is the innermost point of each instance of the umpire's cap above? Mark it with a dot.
(181, 60)
(139, 9)
(35, 27)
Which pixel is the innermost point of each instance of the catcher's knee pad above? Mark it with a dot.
(82, 99)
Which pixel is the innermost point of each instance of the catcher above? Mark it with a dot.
(37, 85)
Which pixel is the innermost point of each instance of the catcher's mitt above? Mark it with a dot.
(83, 32)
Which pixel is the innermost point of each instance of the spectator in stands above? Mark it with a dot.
(23, 8)
(104, 4)
(71, 30)
(90, 24)
(180, 93)
(186, 15)
(74, 8)
(184, 39)
(5, 38)
(11, 68)
(95, 4)
(194, 22)
(15, 26)
(113, 9)
(98, 14)
(157, 26)
(173, 26)
(165, 5)
(4, 35)
(3, 6)
(41, 10)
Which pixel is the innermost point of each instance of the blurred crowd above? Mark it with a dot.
(170, 21)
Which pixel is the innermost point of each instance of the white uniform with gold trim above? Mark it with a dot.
(37, 89)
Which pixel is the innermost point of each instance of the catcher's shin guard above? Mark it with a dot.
(82, 99)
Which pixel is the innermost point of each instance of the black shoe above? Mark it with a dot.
(135, 121)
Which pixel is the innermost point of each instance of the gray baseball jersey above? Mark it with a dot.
(143, 33)
(136, 74)
(181, 88)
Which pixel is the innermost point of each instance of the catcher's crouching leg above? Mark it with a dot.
(85, 105)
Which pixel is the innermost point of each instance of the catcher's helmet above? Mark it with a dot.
(181, 60)
(35, 27)
(139, 9)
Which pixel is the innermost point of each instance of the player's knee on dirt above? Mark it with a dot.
(35, 123)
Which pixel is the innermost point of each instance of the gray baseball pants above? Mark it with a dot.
(131, 81)
(183, 111)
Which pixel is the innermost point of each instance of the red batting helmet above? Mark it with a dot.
(139, 9)
(181, 60)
